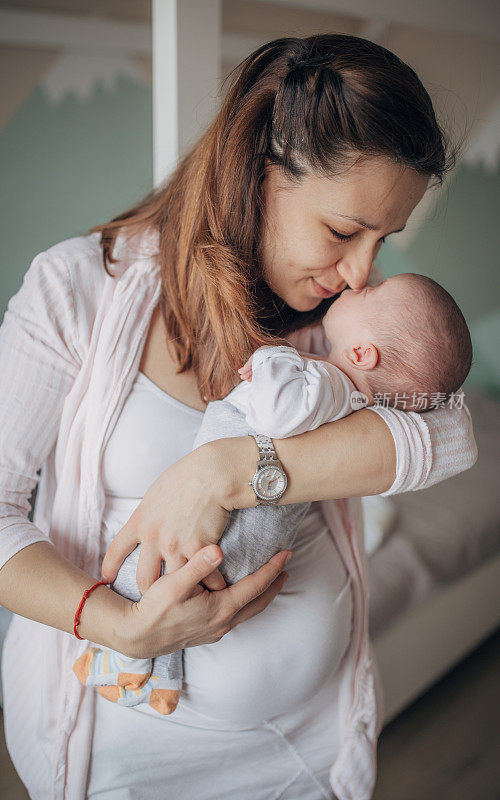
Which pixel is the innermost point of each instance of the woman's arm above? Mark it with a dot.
(39, 363)
(55, 589)
(385, 452)
(373, 451)
(187, 506)
(350, 457)
(175, 612)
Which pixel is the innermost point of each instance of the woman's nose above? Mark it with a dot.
(355, 271)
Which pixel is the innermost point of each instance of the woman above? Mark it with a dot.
(322, 148)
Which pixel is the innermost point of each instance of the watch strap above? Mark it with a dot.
(267, 453)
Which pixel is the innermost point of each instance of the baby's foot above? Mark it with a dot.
(154, 692)
(99, 667)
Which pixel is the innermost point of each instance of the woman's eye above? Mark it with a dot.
(341, 236)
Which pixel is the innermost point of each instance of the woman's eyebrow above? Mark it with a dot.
(364, 224)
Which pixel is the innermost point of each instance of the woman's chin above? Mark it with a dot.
(304, 303)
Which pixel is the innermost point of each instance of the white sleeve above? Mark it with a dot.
(289, 394)
(430, 447)
(40, 359)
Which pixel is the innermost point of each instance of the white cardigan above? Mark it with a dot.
(70, 348)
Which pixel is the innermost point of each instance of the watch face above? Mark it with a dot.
(269, 483)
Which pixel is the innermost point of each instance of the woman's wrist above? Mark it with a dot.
(231, 463)
(104, 619)
(41, 584)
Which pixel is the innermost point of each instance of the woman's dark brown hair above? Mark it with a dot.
(307, 105)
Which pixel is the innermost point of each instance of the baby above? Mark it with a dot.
(405, 340)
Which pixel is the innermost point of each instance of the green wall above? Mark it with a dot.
(458, 247)
(68, 167)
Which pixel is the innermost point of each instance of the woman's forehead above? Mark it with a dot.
(373, 193)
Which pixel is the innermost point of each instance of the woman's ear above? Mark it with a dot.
(362, 356)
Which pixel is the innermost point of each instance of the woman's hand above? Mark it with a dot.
(185, 509)
(176, 612)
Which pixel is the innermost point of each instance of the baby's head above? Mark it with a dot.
(404, 337)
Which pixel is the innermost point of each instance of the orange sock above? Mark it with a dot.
(101, 667)
(161, 699)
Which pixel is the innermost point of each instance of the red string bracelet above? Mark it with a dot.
(82, 603)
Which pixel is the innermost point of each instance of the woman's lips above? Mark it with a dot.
(321, 291)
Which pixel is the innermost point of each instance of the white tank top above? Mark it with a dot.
(279, 658)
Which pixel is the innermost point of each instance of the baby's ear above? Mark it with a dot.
(363, 356)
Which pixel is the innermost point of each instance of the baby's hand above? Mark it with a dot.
(246, 370)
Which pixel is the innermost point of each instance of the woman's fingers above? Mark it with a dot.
(215, 581)
(148, 567)
(122, 545)
(195, 570)
(173, 561)
(246, 590)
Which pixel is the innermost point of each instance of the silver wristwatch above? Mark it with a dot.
(269, 482)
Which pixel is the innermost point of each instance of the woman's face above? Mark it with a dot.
(323, 234)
